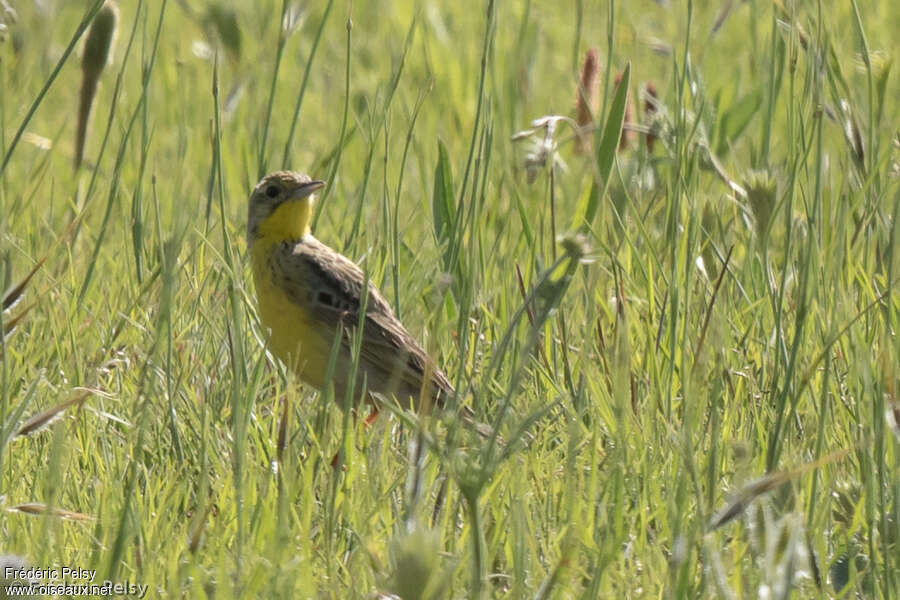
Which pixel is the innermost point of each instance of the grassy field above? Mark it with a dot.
(687, 343)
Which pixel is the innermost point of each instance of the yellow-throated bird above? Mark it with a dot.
(308, 294)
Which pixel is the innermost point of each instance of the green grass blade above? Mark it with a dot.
(606, 151)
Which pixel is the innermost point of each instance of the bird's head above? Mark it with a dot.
(281, 205)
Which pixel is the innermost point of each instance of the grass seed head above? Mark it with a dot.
(415, 558)
(100, 40)
(223, 21)
(708, 221)
(543, 151)
(761, 188)
(576, 245)
(586, 100)
(96, 54)
(651, 104)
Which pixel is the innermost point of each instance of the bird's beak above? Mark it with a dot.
(305, 189)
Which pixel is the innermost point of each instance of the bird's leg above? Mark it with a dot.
(371, 418)
(372, 415)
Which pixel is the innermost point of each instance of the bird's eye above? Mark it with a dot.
(272, 191)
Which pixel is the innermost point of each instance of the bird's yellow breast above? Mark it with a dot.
(293, 335)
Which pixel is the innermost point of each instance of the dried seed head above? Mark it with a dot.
(536, 159)
(43, 420)
(542, 151)
(586, 100)
(521, 135)
(852, 132)
(650, 109)
(39, 508)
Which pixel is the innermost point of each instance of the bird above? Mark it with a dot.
(312, 299)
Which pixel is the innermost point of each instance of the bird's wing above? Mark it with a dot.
(331, 286)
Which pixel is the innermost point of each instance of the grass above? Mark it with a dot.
(688, 349)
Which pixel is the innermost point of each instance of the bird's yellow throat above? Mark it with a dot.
(290, 221)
